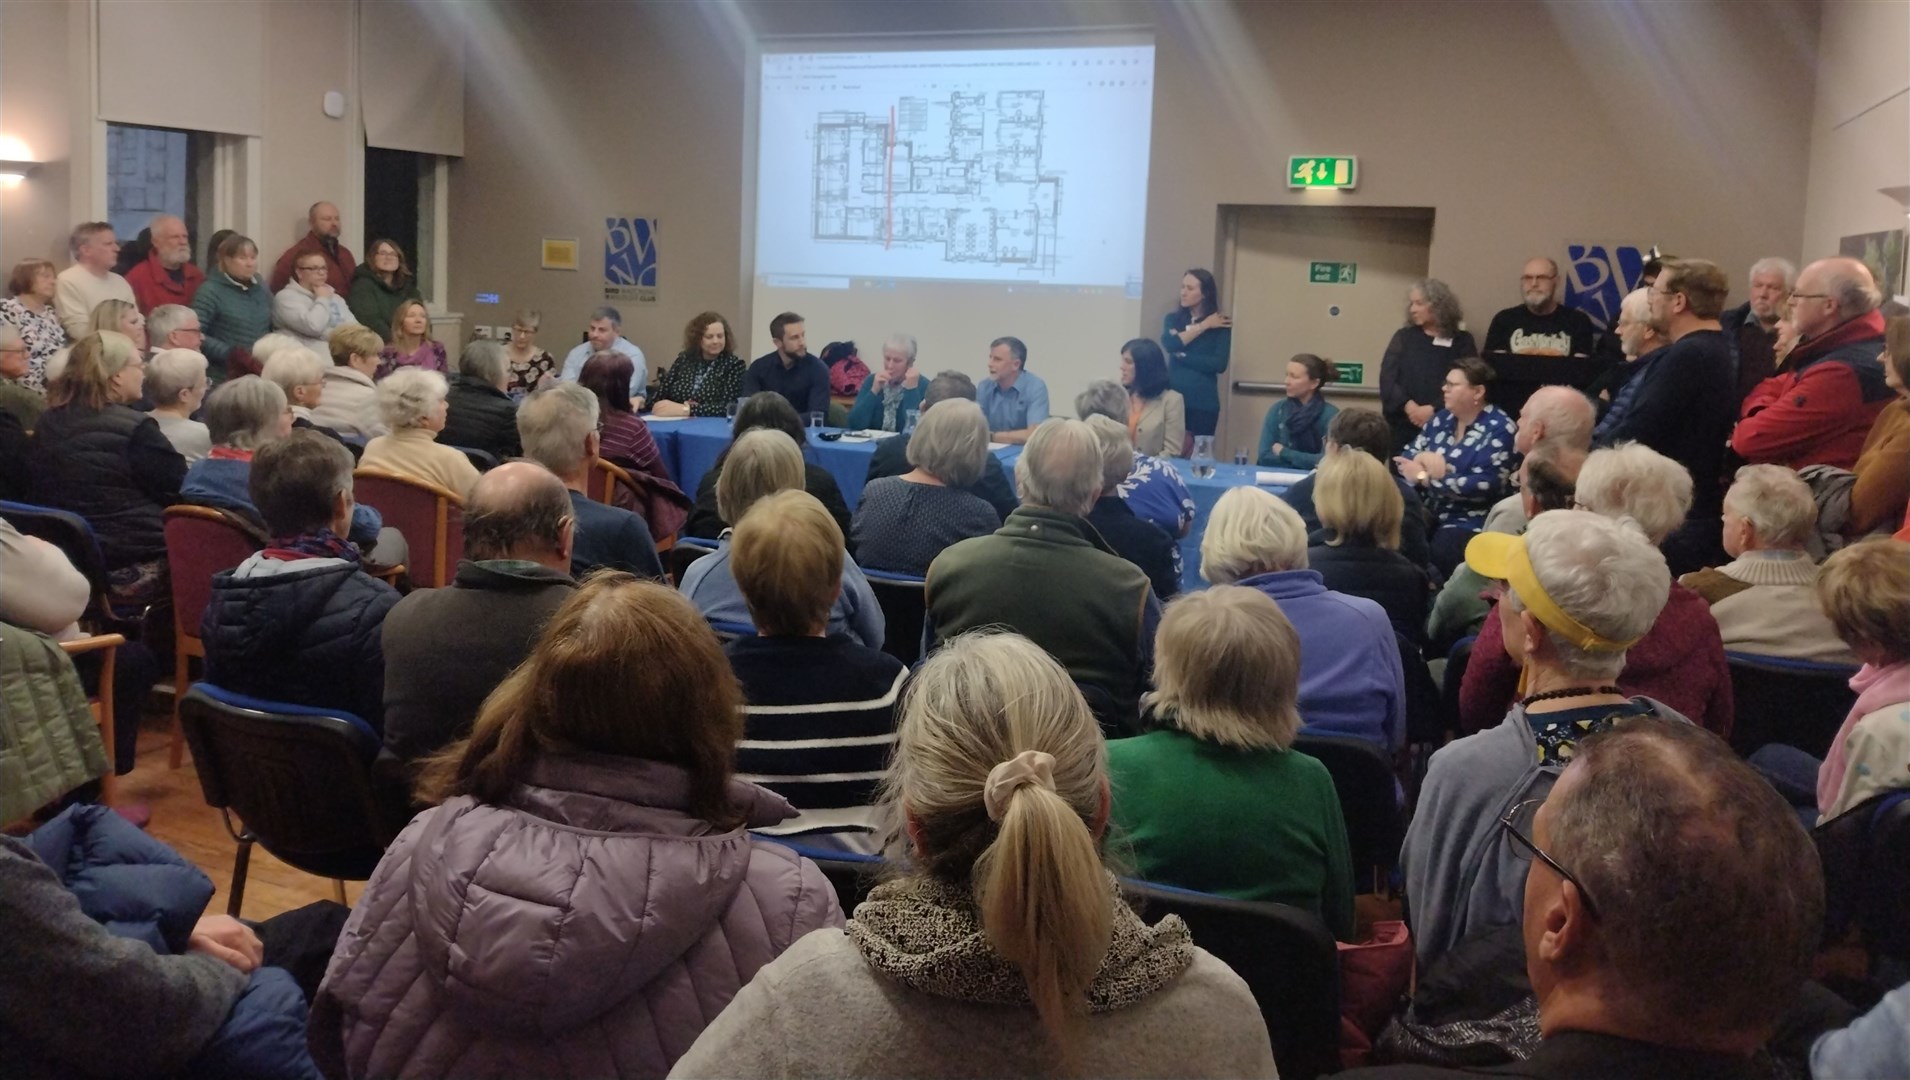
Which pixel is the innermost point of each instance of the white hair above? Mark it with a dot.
(1772, 262)
(1636, 306)
(1603, 573)
(407, 396)
(165, 319)
(1776, 502)
(1633, 480)
(244, 413)
(904, 342)
(295, 367)
(1251, 532)
(172, 372)
(1060, 468)
(264, 349)
(554, 424)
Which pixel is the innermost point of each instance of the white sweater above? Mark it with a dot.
(1766, 604)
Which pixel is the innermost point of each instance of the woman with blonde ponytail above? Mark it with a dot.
(1002, 948)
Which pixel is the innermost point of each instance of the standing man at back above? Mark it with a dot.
(167, 275)
(327, 226)
(790, 370)
(90, 280)
(605, 334)
(1526, 341)
(1751, 327)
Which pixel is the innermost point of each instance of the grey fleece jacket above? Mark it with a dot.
(1462, 874)
(62, 975)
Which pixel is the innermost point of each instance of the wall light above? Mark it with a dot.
(16, 171)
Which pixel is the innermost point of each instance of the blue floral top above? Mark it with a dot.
(1480, 465)
(1158, 495)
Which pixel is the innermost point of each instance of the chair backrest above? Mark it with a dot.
(1795, 702)
(1286, 956)
(1866, 855)
(688, 549)
(1369, 798)
(73, 535)
(200, 542)
(730, 631)
(904, 608)
(430, 517)
(603, 486)
(299, 778)
(481, 460)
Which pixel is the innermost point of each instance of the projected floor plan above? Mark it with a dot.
(956, 173)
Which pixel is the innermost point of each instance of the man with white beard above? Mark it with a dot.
(167, 275)
(1751, 327)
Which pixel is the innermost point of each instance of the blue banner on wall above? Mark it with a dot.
(630, 259)
(1597, 277)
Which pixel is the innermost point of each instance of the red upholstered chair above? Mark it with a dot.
(200, 542)
(430, 517)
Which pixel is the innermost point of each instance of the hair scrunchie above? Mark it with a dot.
(1027, 767)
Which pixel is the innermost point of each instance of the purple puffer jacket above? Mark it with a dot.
(591, 928)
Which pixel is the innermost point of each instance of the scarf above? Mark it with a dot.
(891, 407)
(927, 935)
(318, 544)
(1876, 687)
(1303, 426)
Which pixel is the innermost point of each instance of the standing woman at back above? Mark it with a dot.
(1199, 340)
(1004, 949)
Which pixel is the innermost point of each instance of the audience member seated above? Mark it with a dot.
(29, 309)
(821, 717)
(378, 285)
(1156, 415)
(891, 457)
(479, 415)
(82, 287)
(1872, 1046)
(1152, 490)
(408, 342)
(1765, 600)
(1580, 589)
(903, 522)
(349, 404)
(1882, 487)
(765, 410)
(1548, 480)
(1293, 434)
(790, 369)
(1049, 576)
(321, 239)
(1142, 543)
(764, 462)
(1554, 417)
(1351, 681)
(626, 439)
(1356, 551)
(599, 867)
(300, 622)
(447, 649)
(1680, 660)
(1266, 824)
(1418, 358)
(307, 308)
(1367, 432)
(234, 309)
(173, 326)
(176, 384)
(411, 402)
(300, 372)
(529, 363)
(1821, 408)
(604, 333)
(707, 376)
(1015, 401)
(558, 427)
(1006, 950)
(95, 455)
(1461, 461)
(890, 394)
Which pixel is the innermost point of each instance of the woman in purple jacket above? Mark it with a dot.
(585, 899)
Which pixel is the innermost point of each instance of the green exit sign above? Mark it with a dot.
(1350, 374)
(1322, 172)
(1333, 273)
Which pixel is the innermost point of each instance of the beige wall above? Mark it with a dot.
(1860, 129)
(36, 84)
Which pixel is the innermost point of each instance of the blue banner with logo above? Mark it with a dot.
(1598, 276)
(630, 259)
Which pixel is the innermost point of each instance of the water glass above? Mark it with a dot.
(1242, 455)
(813, 419)
(734, 408)
(1203, 460)
(910, 419)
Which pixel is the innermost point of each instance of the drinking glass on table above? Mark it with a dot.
(735, 406)
(1203, 456)
(813, 419)
(1242, 455)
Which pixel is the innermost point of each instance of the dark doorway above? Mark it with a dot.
(391, 200)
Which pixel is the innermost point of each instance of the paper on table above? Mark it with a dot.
(993, 446)
(650, 419)
(1284, 477)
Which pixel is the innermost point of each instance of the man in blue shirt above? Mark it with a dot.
(606, 335)
(1014, 401)
(802, 379)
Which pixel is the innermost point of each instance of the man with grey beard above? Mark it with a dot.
(167, 275)
(1751, 327)
(1539, 342)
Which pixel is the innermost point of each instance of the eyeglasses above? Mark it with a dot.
(1796, 296)
(1525, 812)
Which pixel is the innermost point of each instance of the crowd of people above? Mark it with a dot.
(616, 777)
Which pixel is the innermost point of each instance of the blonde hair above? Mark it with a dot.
(1865, 593)
(352, 340)
(1227, 667)
(1046, 903)
(760, 463)
(107, 313)
(398, 322)
(786, 555)
(87, 380)
(1355, 497)
(1251, 532)
(951, 443)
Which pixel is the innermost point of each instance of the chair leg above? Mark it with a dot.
(338, 891)
(240, 863)
(109, 783)
(182, 667)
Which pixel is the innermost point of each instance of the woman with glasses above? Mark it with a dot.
(1579, 589)
(529, 363)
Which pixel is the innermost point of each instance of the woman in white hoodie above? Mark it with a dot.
(308, 308)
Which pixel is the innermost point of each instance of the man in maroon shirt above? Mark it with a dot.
(167, 276)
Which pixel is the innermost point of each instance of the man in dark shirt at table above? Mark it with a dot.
(891, 457)
(802, 379)
(1539, 342)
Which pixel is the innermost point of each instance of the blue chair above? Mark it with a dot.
(1369, 801)
(903, 598)
(730, 631)
(1799, 703)
(481, 460)
(73, 535)
(687, 550)
(300, 780)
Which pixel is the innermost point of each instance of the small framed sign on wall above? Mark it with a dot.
(560, 253)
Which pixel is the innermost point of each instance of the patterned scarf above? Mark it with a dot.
(926, 934)
(318, 544)
(1303, 426)
(892, 408)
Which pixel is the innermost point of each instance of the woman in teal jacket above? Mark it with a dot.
(1294, 432)
(1198, 340)
(891, 392)
(235, 310)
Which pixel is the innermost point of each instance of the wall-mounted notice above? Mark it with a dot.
(559, 253)
(1332, 273)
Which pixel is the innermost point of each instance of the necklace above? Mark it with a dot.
(1570, 691)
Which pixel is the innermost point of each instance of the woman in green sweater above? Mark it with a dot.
(383, 281)
(1198, 340)
(1219, 801)
(235, 310)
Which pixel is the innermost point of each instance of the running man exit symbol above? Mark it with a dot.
(1322, 172)
(1333, 273)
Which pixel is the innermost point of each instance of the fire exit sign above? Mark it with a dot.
(1333, 273)
(1350, 374)
(1322, 172)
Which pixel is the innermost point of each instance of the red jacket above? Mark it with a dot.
(338, 271)
(1820, 408)
(152, 286)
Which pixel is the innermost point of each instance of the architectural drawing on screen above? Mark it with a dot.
(955, 174)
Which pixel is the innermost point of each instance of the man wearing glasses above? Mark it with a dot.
(1540, 341)
(174, 326)
(25, 405)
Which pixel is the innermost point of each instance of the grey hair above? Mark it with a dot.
(495, 527)
(171, 372)
(1251, 532)
(1103, 397)
(264, 349)
(83, 235)
(483, 361)
(904, 342)
(295, 367)
(244, 413)
(1782, 266)
(1633, 480)
(1856, 292)
(165, 319)
(1060, 467)
(554, 425)
(948, 386)
(1227, 669)
(1567, 414)
(760, 463)
(951, 444)
(1603, 573)
(1117, 451)
(608, 312)
(407, 396)
(1447, 315)
(1636, 306)
(1777, 503)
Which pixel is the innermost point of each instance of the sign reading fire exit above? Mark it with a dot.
(1322, 172)
(1333, 273)
(1350, 374)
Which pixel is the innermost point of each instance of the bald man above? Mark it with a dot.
(1539, 340)
(326, 227)
(1820, 406)
(1554, 416)
(167, 275)
(447, 649)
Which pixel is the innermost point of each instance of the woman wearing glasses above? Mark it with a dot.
(1579, 590)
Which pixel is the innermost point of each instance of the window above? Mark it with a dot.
(157, 171)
